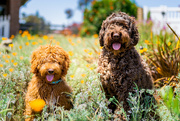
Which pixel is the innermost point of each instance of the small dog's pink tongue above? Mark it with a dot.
(49, 77)
(116, 46)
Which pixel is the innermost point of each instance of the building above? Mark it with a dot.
(9, 17)
(163, 15)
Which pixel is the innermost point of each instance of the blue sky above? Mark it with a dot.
(54, 10)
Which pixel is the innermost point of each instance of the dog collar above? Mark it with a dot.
(56, 82)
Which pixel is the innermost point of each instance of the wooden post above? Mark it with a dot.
(14, 6)
(140, 14)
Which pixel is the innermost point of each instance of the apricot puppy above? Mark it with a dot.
(49, 66)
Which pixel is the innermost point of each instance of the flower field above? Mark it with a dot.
(89, 100)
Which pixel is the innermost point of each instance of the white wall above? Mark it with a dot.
(171, 16)
(4, 26)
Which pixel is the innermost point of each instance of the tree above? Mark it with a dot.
(36, 24)
(69, 13)
(100, 9)
(83, 4)
(23, 2)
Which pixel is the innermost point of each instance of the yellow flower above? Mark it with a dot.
(141, 51)
(144, 49)
(73, 44)
(4, 56)
(20, 47)
(12, 36)
(70, 40)
(90, 53)
(0, 53)
(146, 41)
(25, 32)
(88, 65)
(86, 50)
(74, 35)
(51, 37)
(1, 65)
(14, 54)
(29, 37)
(34, 43)
(8, 56)
(158, 42)
(54, 41)
(83, 75)
(101, 47)
(21, 57)
(37, 105)
(82, 81)
(15, 64)
(71, 53)
(11, 69)
(32, 37)
(45, 37)
(72, 76)
(99, 53)
(4, 75)
(11, 45)
(91, 68)
(169, 43)
(57, 43)
(111, 7)
(95, 43)
(20, 31)
(12, 61)
(78, 41)
(27, 43)
(95, 35)
(4, 38)
(7, 61)
(40, 41)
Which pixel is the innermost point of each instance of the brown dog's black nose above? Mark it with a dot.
(116, 36)
(50, 71)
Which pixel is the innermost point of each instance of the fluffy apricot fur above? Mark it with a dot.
(48, 64)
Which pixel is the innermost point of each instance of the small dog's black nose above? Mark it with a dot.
(116, 36)
(50, 71)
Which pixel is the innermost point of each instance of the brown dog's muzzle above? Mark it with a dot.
(116, 36)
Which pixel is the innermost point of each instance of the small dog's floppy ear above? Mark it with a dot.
(34, 63)
(134, 32)
(66, 62)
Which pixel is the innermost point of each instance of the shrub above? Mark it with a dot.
(164, 59)
(94, 16)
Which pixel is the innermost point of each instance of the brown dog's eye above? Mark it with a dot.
(118, 24)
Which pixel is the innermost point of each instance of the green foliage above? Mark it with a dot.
(89, 100)
(100, 9)
(141, 108)
(164, 59)
(36, 24)
(148, 15)
(171, 101)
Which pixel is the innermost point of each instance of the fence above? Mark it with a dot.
(4, 26)
(162, 15)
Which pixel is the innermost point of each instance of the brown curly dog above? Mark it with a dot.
(120, 65)
(49, 66)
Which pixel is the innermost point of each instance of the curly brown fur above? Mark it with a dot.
(53, 61)
(119, 64)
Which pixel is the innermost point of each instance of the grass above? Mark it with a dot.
(89, 99)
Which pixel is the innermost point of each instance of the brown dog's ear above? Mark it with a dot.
(101, 34)
(134, 32)
(34, 63)
(101, 37)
